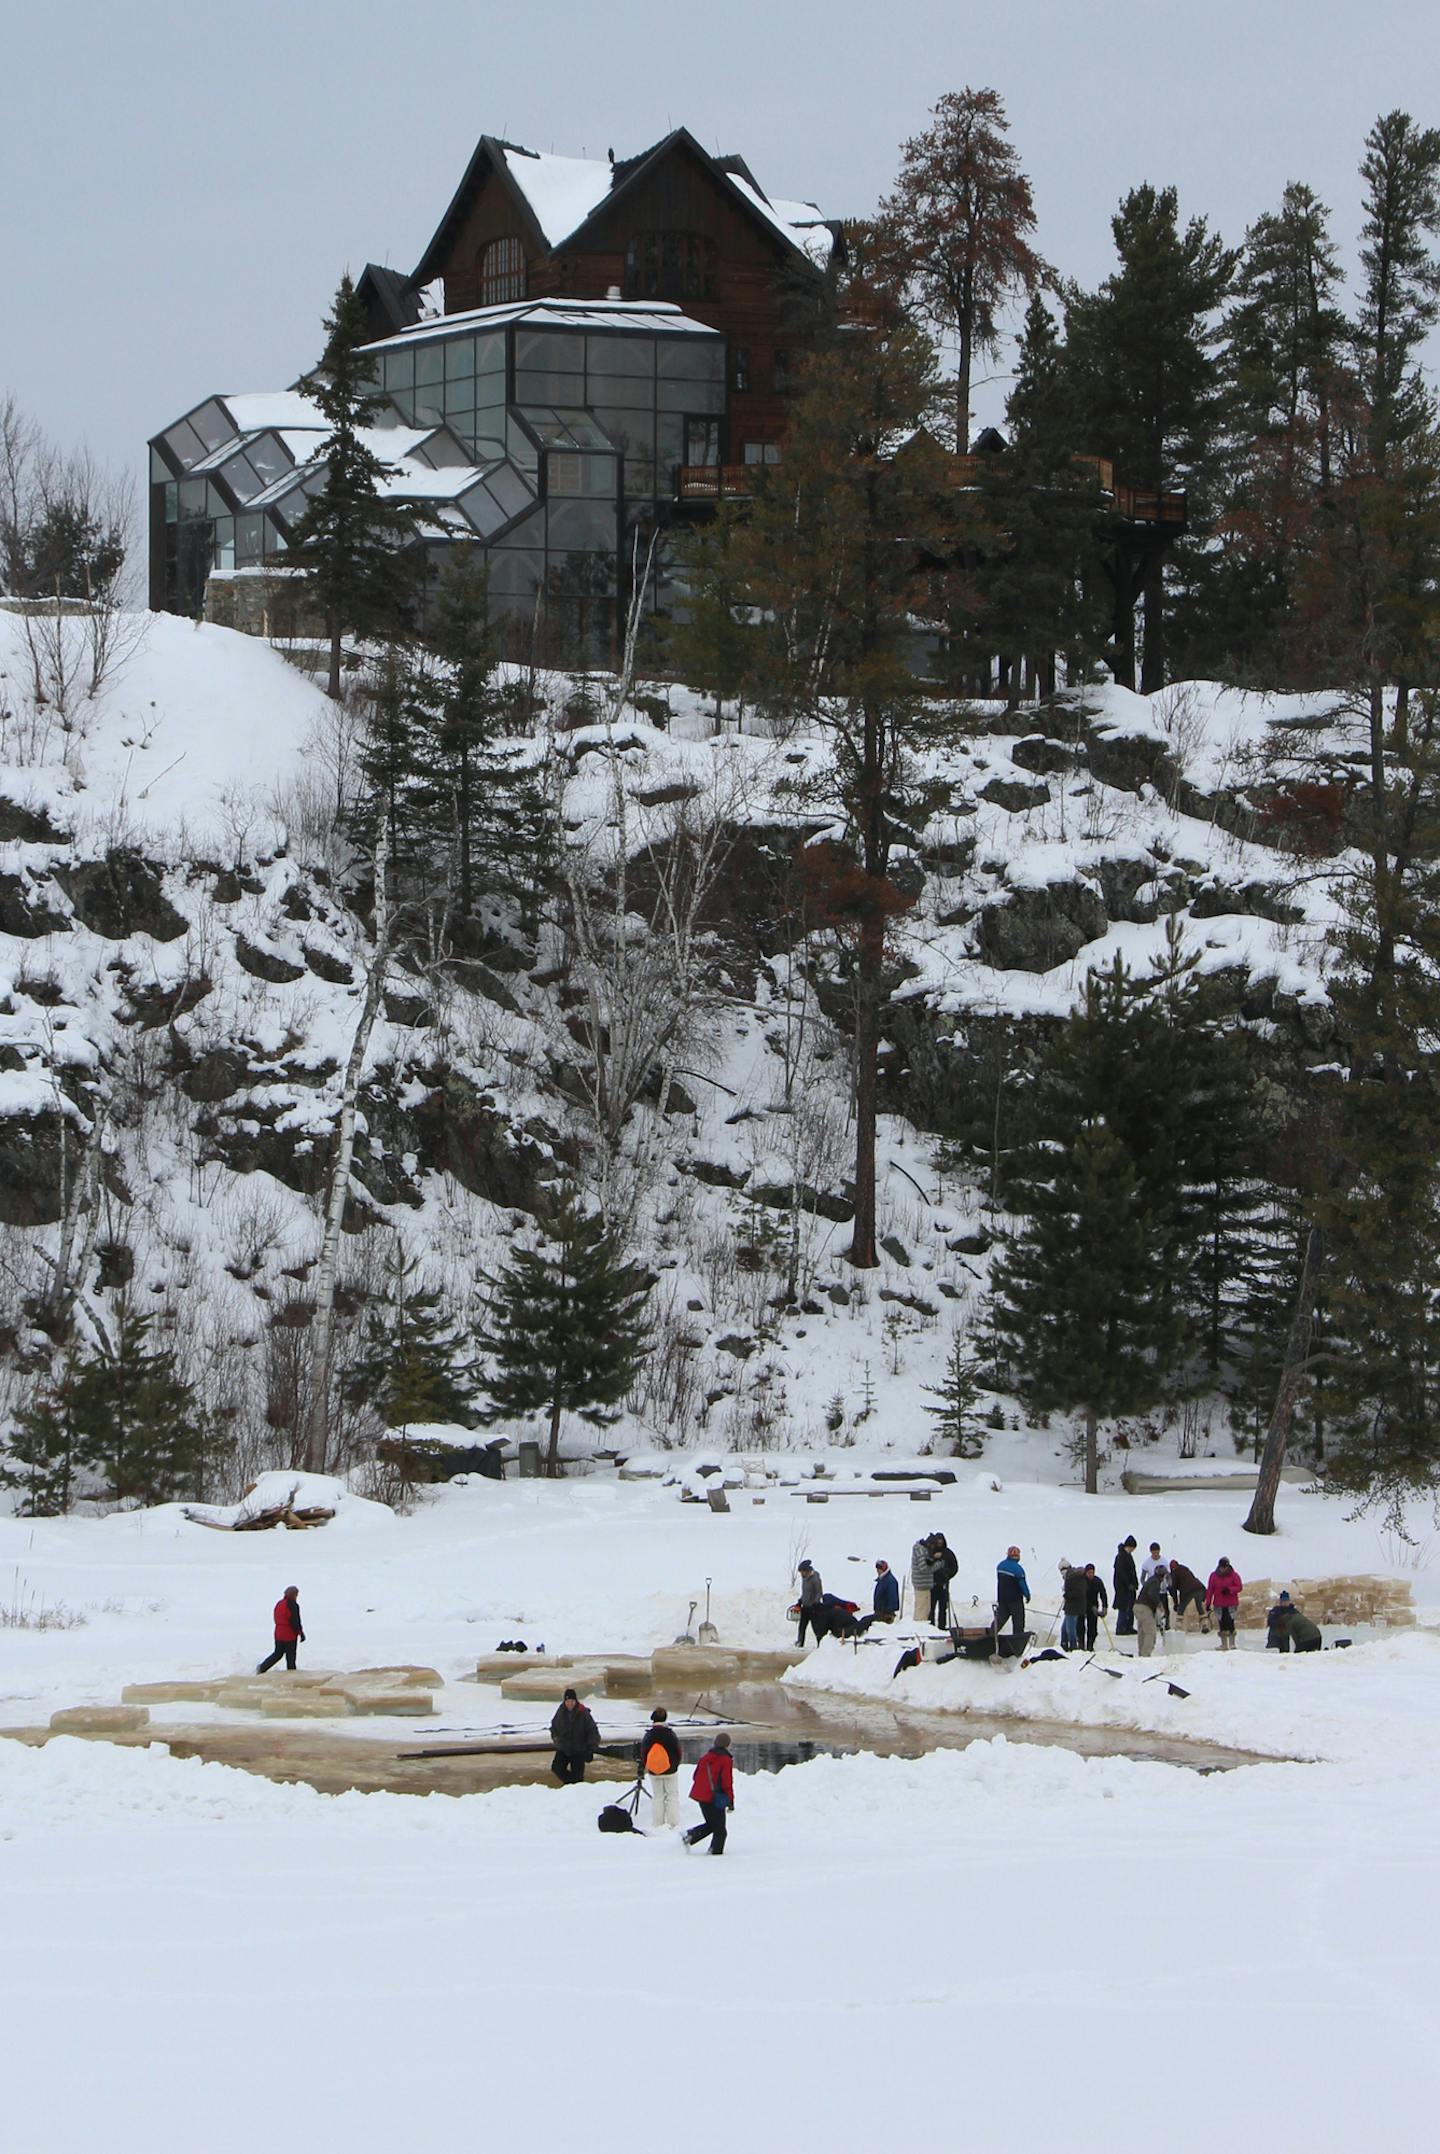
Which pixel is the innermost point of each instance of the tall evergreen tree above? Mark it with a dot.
(1149, 386)
(833, 557)
(413, 1365)
(567, 1330)
(46, 1449)
(360, 549)
(957, 229)
(1400, 300)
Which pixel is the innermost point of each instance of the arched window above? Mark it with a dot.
(502, 272)
(670, 265)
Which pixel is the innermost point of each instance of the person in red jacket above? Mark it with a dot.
(289, 1630)
(1222, 1592)
(714, 1789)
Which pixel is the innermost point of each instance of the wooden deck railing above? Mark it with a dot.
(716, 482)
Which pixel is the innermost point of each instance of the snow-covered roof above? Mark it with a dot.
(256, 411)
(658, 314)
(799, 222)
(561, 191)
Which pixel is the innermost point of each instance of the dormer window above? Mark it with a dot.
(502, 272)
(670, 265)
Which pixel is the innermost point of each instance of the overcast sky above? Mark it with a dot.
(181, 185)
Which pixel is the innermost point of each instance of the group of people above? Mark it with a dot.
(1145, 1596)
(658, 1755)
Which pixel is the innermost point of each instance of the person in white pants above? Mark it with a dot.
(660, 1758)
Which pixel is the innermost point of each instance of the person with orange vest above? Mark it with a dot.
(289, 1631)
(714, 1789)
(659, 1754)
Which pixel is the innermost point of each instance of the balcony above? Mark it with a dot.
(716, 482)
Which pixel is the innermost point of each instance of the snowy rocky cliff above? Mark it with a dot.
(185, 934)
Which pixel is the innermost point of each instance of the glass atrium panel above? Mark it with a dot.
(582, 527)
(224, 556)
(460, 359)
(429, 364)
(633, 356)
(213, 427)
(529, 532)
(626, 391)
(459, 396)
(509, 489)
(550, 351)
(537, 385)
(490, 353)
(160, 471)
(404, 403)
(399, 370)
(269, 457)
(172, 503)
(194, 498)
(240, 475)
(444, 451)
(428, 408)
(184, 444)
(521, 445)
(515, 571)
(250, 538)
(693, 358)
(483, 510)
(691, 396)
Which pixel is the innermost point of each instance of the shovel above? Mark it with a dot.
(687, 1636)
(708, 1633)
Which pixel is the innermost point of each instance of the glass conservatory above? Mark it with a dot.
(557, 435)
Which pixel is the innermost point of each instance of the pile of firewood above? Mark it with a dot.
(296, 1518)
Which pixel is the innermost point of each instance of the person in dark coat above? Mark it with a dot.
(714, 1789)
(1188, 1595)
(1304, 1635)
(946, 1564)
(885, 1601)
(1095, 1606)
(1073, 1599)
(1126, 1581)
(812, 1602)
(1277, 1625)
(840, 1618)
(1011, 1593)
(289, 1631)
(658, 1755)
(576, 1739)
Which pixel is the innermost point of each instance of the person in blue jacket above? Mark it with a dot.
(1011, 1593)
(886, 1602)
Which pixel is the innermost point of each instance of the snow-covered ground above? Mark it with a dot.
(988, 1945)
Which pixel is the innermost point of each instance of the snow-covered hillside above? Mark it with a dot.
(183, 940)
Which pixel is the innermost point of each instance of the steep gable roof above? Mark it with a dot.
(559, 196)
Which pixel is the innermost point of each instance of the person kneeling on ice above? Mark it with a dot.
(714, 1789)
(1277, 1625)
(289, 1631)
(576, 1739)
(1222, 1592)
(1011, 1592)
(885, 1604)
(659, 1753)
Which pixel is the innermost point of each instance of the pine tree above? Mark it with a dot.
(1287, 357)
(706, 640)
(567, 1331)
(1400, 302)
(1148, 382)
(45, 1449)
(956, 1396)
(829, 557)
(412, 1365)
(957, 229)
(138, 1421)
(359, 547)
(1039, 588)
(1138, 1086)
(1075, 1302)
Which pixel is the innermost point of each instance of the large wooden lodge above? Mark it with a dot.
(587, 350)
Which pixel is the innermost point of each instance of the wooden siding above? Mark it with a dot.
(757, 283)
